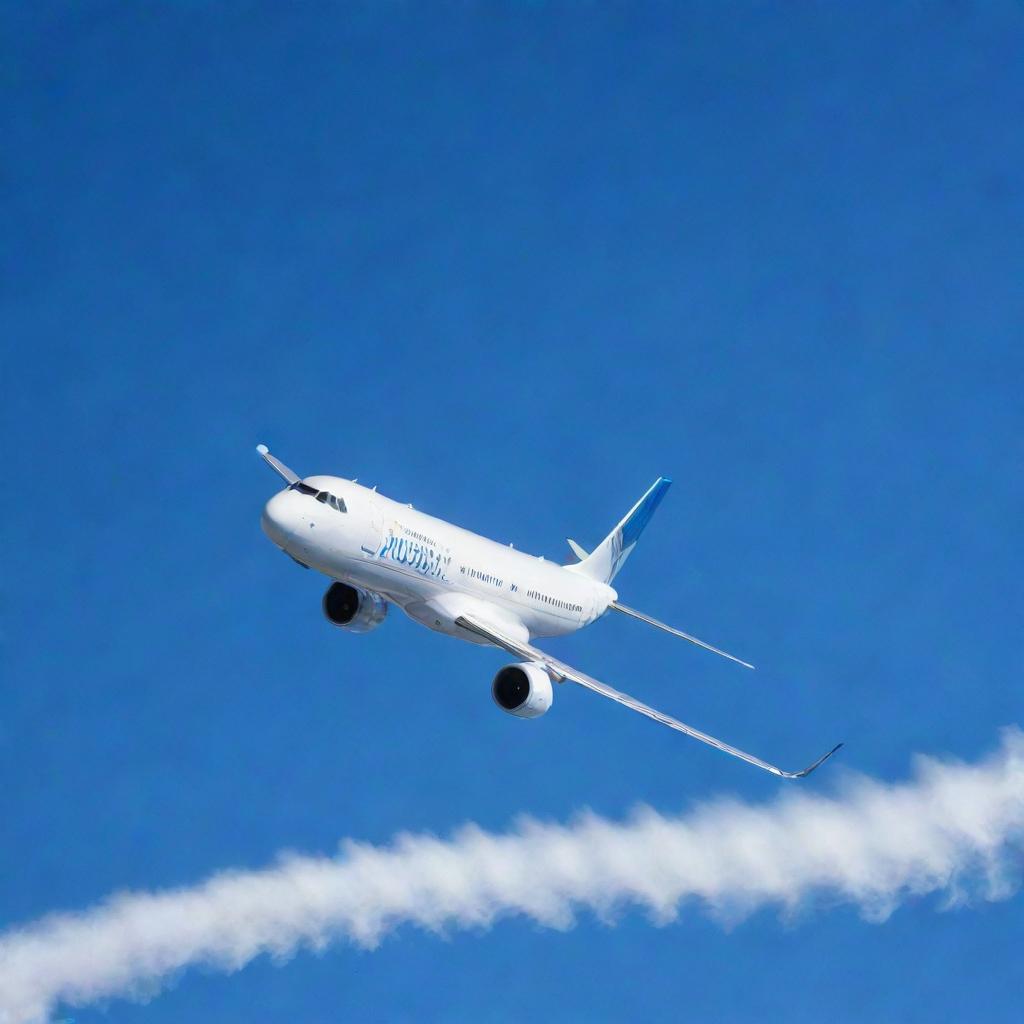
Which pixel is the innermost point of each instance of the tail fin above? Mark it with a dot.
(610, 555)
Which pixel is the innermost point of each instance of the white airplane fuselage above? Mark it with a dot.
(380, 552)
(433, 570)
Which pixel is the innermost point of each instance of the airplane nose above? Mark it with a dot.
(278, 519)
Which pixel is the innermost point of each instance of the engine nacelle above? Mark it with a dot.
(353, 609)
(523, 690)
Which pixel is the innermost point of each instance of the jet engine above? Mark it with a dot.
(353, 609)
(522, 690)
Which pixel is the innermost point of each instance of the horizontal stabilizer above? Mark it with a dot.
(579, 552)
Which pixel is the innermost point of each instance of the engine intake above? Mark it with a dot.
(522, 690)
(353, 609)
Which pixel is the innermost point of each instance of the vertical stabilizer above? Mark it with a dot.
(610, 555)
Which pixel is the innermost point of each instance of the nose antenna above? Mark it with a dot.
(277, 466)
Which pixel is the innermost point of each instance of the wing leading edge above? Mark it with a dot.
(561, 671)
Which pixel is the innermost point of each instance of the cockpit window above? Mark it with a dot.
(324, 497)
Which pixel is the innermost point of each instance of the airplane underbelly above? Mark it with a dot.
(440, 611)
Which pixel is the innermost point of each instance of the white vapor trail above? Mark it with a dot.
(954, 828)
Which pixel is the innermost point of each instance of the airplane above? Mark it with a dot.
(379, 552)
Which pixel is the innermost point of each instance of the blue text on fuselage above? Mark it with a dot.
(422, 558)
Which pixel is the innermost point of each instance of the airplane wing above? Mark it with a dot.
(560, 671)
(633, 613)
(278, 466)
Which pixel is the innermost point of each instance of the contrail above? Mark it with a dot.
(955, 829)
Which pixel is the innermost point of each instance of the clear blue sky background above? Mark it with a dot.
(509, 262)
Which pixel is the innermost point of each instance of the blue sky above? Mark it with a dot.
(510, 263)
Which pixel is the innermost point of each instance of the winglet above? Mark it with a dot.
(807, 771)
